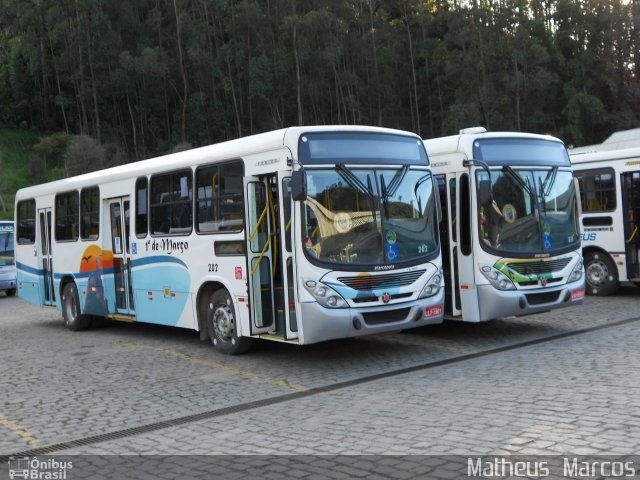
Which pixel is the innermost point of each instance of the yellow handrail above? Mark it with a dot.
(266, 245)
(633, 234)
(255, 230)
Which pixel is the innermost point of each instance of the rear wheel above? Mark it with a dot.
(222, 324)
(11, 292)
(601, 274)
(73, 318)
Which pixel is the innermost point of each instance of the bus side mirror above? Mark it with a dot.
(484, 192)
(299, 185)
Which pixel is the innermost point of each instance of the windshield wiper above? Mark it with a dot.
(542, 196)
(392, 188)
(521, 182)
(353, 181)
(397, 180)
(551, 178)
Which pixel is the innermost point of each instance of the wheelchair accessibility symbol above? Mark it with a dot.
(392, 251)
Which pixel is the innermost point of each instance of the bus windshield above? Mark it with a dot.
(6, 245)
(527, 210)
(369, 216)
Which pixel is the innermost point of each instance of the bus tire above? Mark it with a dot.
(222, 325)
(73, 318)
(11, 292)
(601, 274)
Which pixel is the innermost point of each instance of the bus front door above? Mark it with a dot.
(119, 235)
(631, 219)
(465, 256)
(258, 212)
(45, 254)
(289, 326)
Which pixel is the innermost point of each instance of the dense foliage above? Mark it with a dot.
(146, 75)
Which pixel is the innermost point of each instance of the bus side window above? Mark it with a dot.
(67, 217)
(597, 190)
(141, 207)
(89, 213)
(171, 203)
(219, 199)
(26, 224)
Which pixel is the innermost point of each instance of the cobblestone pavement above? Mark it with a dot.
(575, 395)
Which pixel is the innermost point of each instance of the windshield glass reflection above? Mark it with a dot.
(525, 210)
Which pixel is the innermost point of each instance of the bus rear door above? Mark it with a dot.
(119, 211)
(45, 254)
(631, 219)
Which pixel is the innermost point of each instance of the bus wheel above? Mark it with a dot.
(222, 325)
(11, 292)
(601, 274)
(73, 319)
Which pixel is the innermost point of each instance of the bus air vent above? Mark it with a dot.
(540, 298)
(386, 316)
(388, 280)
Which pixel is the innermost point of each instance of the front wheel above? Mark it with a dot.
(11, 292)
(222, 324)
(73, 319)
(601, 274)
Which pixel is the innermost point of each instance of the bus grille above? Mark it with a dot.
(389, 280)
(539, 266)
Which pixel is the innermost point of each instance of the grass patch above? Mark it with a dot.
(16, 147)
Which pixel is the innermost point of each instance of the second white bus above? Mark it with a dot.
(510, 239)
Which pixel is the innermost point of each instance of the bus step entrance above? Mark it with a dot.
(279, 307)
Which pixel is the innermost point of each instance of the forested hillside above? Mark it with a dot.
(142, 76)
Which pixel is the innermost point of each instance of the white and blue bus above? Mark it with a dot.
(7, 261)
(510, 238)
(299, 235)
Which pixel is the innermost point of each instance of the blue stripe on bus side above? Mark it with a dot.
(158, 259)
(28, 269)
(136, 263)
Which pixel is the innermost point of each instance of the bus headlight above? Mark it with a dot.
(577, 272)
(325, 296)
(497, 278)
(433, 285)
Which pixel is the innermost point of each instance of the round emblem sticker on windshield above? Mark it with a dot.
(342, 222)
(509, 213)
(391, 237)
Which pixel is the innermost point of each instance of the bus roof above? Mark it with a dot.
(463, 142)
(621, 140)
(231, 149)
(592, 156)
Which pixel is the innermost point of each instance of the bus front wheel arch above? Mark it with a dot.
(601, 273)
(73, 317)
(222, 324)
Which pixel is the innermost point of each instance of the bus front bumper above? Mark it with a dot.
(496, 303)
(320, 323)
(8, 281)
